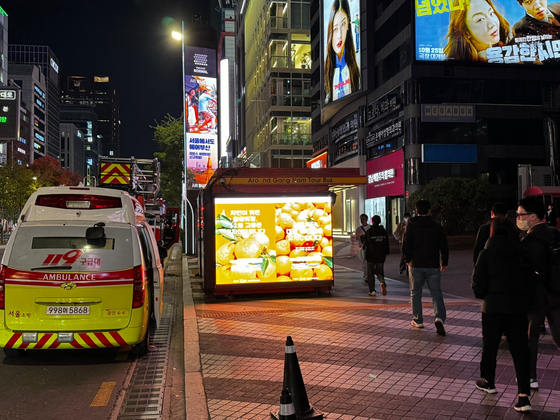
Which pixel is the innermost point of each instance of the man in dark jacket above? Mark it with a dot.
(500, 280)
(377, 248)
(498, 210)
(541, 18)
(530, 215)
(424, 243)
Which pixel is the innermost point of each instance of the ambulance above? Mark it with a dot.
(81, 270)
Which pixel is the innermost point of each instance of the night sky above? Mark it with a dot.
(127, 40)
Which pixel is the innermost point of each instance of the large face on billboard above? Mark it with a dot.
(492, 31)
(269, 240)
(341, 48)
(201, 123)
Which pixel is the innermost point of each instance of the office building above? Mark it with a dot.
(98, 93)
(273, 53)
(72, 150)
(33, 85)
(85, 120)
(48, 64)
(422, 110)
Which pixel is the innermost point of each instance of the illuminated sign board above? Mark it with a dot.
(273, 239)
(497, 31)
(341, 49)
(9, 114)
(201, 119)
(318, 162)
(54, 65)
(379, 135)
(455, 113)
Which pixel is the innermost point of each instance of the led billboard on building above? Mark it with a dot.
(9, 114)
(492, 31)
(341, 48)
(201, 104)
(273, 239)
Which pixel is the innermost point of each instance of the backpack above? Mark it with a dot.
(552, 282)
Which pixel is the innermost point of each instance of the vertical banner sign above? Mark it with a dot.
(201, 123)
(341, 49)
(9, 114)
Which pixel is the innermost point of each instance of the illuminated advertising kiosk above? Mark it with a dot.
(268, 230)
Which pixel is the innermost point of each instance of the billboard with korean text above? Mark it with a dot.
(201, 116)
(271, 240)
(341, 49)
(488, 31)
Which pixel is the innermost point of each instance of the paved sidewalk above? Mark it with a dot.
(359, 356)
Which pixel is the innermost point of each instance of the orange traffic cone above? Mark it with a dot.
(287, 410)
(294, 382)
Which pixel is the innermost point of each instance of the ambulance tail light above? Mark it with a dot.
(139, 291)
(75, 201)
(2, 284)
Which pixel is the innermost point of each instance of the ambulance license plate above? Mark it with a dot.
(67, 310)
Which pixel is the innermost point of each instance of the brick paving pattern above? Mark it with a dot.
(359, 357)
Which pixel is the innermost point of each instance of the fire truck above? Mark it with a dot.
(141, 179)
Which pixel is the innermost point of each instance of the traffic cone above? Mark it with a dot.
(294, 382)
(287, 410)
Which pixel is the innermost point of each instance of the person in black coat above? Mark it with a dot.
(500, 280)
(497, 210)
(376, 245)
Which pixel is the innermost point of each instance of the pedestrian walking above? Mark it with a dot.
(544, 303)
(360, 232)
(399, 234)
(426, 253)
(500, 279)
(376, 244)
(497, 210)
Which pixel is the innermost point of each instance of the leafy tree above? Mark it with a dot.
(17, 183)
(49, 173)
(455, 202)
(169, 136)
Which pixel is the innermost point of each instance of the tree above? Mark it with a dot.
(17, 183)
(455, 202)
(49, 173)
(169, 136)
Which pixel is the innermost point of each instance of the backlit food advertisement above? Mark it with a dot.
(272, 240)
(341, 48)
(489, 31)
(201, 116)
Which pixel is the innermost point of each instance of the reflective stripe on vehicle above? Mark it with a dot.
(82, 279)
(91, 340)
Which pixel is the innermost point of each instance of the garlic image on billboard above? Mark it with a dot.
(267, 240)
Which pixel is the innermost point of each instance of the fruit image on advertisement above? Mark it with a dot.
(267, 241)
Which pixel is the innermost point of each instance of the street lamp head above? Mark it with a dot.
(177, 35)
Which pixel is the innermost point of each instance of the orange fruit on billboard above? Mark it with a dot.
(285, 221)
(225, 253)
(323, 272)
(269, 273)
(262, 239)
(327, 251)
(248, 248)
(283, 265)
(327, 230)
(283, 247)
(301, 272)
(280, 234)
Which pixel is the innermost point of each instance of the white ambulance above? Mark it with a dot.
(81, 270)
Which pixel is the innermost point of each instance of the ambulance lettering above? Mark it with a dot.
(69, 277)
(69, 258)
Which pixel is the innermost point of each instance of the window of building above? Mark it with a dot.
(278, 13)
(278, 53)
(301, 56)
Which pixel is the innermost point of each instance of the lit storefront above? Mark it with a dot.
(385, 188)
